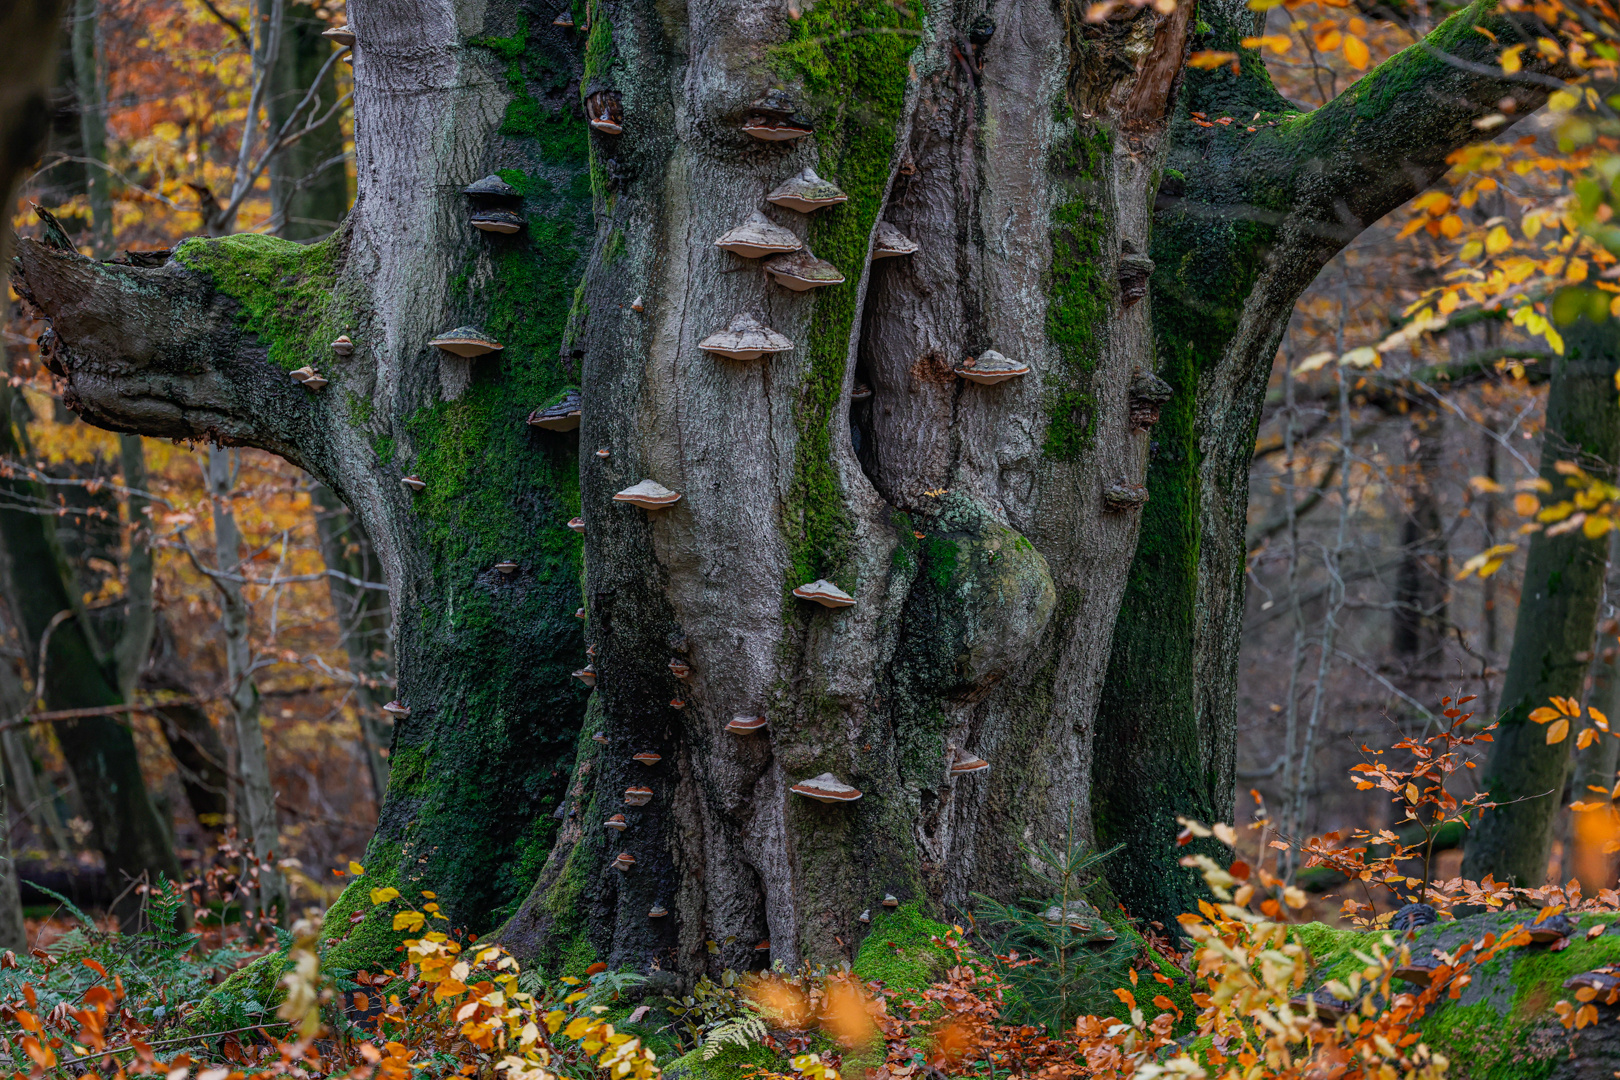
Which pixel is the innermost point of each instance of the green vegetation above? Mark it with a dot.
(1079, 294)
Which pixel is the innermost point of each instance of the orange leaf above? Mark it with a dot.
(1355, 51)
(1558, 732)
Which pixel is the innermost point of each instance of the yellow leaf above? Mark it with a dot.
(1586, 738)
(1544, 715)
(1562, 101)
(554, 1020)
(1558, 732)
(1510, 59)
(1598, 718)
(1451, 226)
(382, 896)
(1355, 52)
(1471, 250)
(1411, 793)
(409, 920)
(1277, 43)
(1364, 357)
(1327, 37)
(1497, 241)
(1525, 504)
(578, 1026)
(356, 869)
(1209, 60)
(1596, 525)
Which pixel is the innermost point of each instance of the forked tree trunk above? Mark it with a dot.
(985, 532)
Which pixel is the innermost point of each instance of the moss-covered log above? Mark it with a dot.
(984, 532)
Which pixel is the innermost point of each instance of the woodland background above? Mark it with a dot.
(1372, 485)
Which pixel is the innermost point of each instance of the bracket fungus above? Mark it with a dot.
(764, 946)
(1122, 496)
(989, 368)
(616, 823)
(1552, 929)
(565, 20)
(649, 495)
(1134, 271)
(758, 237)
(963, 763)
(636, 305)
(314, 382)
(1603, 980)
(637, 796)
(497, 219)
(339, 35)
(603, 453)
(824, 593)
(676, 703)
(1148, 394)
(745, 339)
(647, 757)
(578, 525)
(746, 725)
(807, 193)
(467, 341)
(598, 737)
(564, 415)
(414, 482)
(397, 708)
(1419, 970)
(506, 566)
(891, 243)
(605, 112)
(865, 916)
(308, 378)
(492, 189)
(775, 118)
(890, 900)
(579, 613)
(658, 911)
(860, 392)
(625, 861)
(801, 271)
(342, 346)
(680, 669)
(587, 674)
(826, 788)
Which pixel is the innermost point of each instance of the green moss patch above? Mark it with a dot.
(900, 951)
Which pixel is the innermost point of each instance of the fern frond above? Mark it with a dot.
(741, 1032)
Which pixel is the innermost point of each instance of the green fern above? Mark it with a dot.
(740, 1031)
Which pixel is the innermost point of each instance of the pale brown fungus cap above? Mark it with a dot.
(649, 494)
(467, 341)
(826, 788)
(745, 339)
(758, 237)
(802, 271)
(807, 193)
(825, 593)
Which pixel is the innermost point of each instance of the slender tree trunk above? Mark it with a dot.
(1556, 621)
(309, 181)
(134, 643)
(193, 741)
(984, 532)
(100, 750)
(89, 78)
(256, 797)
(363, 621)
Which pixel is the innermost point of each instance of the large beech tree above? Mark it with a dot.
(1014, 595)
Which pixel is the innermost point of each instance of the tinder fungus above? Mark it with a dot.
(758, 237)
(891, 243)
(598, 737)
(989, 368)
(745, 339)
(497, 219)
(649, 494)
(467, 341)
(680, 669)
(625, 861)
(824, 593)
(964, 763)
(637, 796)
(339, 35)
(342, 345)
(397, 708)
(807, 193)
(414, 482)
(826, 788)
(647, 757)
(506, 566)
(616, 823)
(564, 415)
(658, 912)
(587, 674)
(801, 271)
(578, 525)
(746, 725)
(491, 189)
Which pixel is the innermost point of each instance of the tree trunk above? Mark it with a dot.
(90, 83)
(1556, 621)
(985, 532)
(194, 743)
(29, 31)
(309, 185)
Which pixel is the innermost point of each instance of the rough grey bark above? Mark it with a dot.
(985, 532)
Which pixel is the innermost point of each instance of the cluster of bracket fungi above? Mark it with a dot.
(495, 207)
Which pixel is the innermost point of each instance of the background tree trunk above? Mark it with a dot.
(309, 186)
(1556, 621)
(985, 532)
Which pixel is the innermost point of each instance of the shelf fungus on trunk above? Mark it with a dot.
(561, 415)
(579, 613)
(506, 566)
(578, 525)
(891, 243)
(649, 495)
(865, 916)
(637, 796)
(493, 191)
(616, 823)
(647, 757)
(801, 271)
(746, 725)
(758, 237)
(1134, 272)
(826, 788)
(397, 709)
(625, 861)
(636, 304)
(587, 674)
(565, 21)
(598, 737)
(467, 342)
(764, 946)
(989, 368)
(603, 453)
(497, 219)
(680, 669)
(1552, 929)
(825, 593)
(342, 346)
(775, 118)
(1122, 496)
(308, 378)
(1147, 396)
(606, 112)
(890, 900)
(807, 193)
(339, 35)
(1418, 970)
(745, 339)
(860, 392)
(1604, 982)
(676, 703)
(1413, 916)
(963, 763)
(414, 482)
(658, 911)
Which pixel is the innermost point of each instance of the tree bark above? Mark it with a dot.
(985, 532)
(90, 83)
(309, 184)
(1556, 621)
